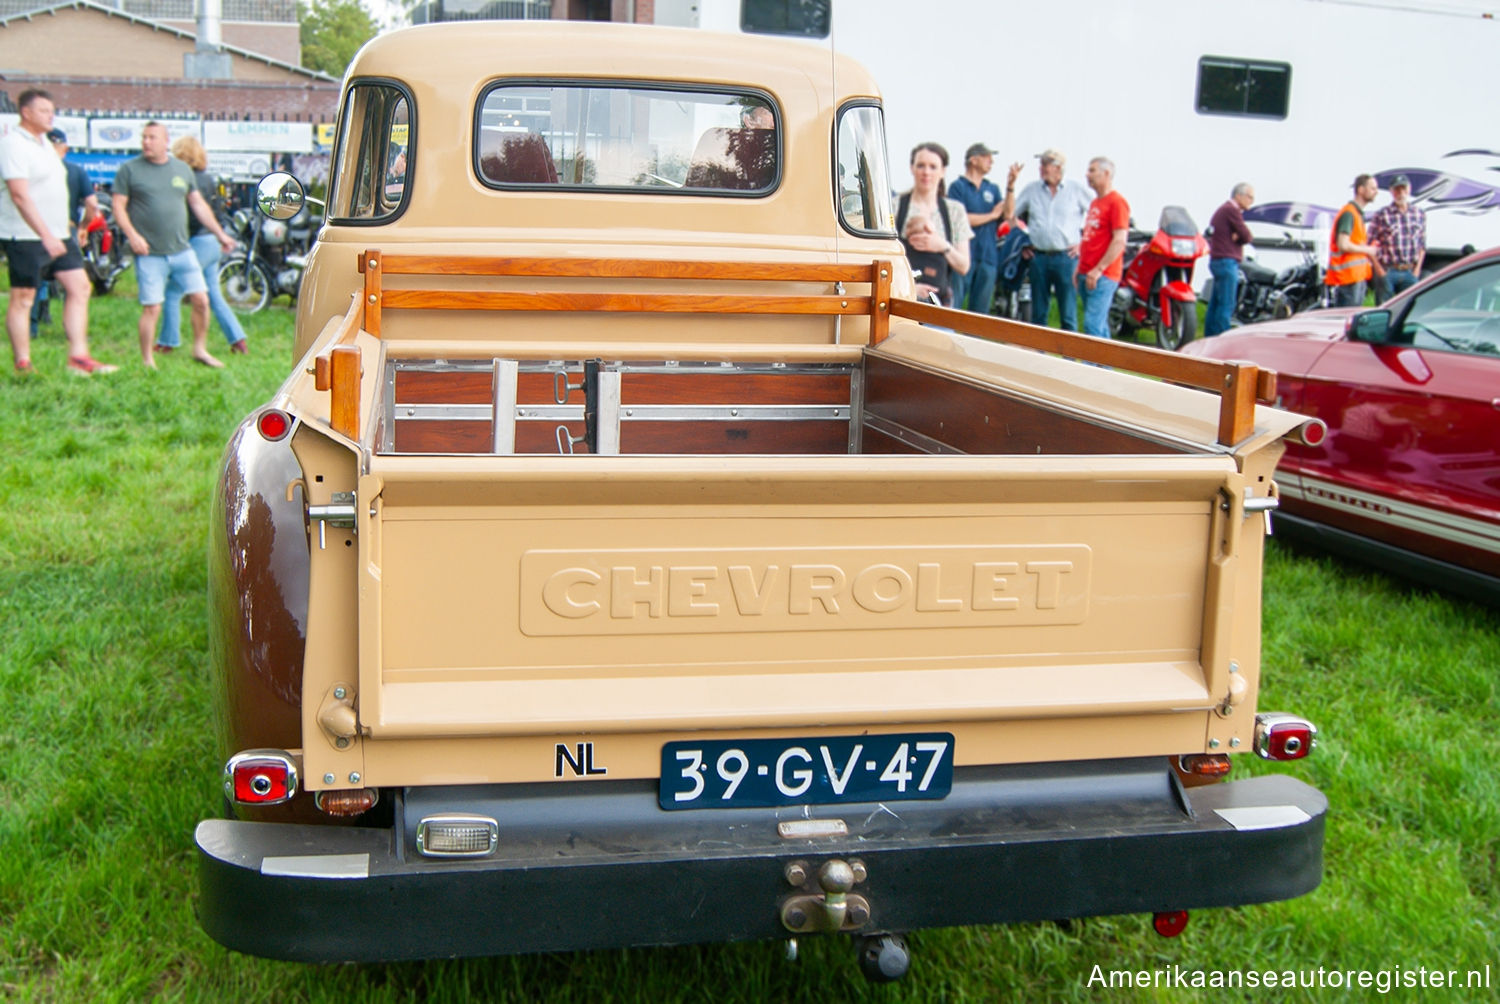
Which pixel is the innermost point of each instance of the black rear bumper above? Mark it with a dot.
(601, 865)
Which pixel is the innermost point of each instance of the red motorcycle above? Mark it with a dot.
(1157, 289)
(104, 248)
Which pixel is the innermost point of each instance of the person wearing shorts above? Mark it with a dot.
(153, 194)
(36, 237)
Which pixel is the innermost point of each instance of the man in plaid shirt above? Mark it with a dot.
(1400, 229)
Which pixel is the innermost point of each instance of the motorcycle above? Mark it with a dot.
(1266, 294)
(105, 250)
(1157, 289)
(270, 260)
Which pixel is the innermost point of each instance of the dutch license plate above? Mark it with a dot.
(831, 769)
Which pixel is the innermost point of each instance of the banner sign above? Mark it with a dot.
(266, 137)
(76, 128)
(239, 166)
(100, 166)
(125, 133)
(323, 134)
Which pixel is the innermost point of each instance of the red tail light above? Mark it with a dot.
(260, 777)
(273, 424)
(1280, 736)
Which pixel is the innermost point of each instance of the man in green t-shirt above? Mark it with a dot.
(152, 196)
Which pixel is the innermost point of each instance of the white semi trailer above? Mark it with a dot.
(1188, 97)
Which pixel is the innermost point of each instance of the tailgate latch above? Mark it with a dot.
(833, 907)
(339, 512)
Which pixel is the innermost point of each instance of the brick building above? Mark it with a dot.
(98, 59)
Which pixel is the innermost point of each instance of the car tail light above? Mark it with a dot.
(260, 777)
(1204, 764)
(1280, 736)
(273, 424)
(347, 801)
(457, 835)
(1170, 923)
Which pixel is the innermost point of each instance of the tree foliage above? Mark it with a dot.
(332, 32)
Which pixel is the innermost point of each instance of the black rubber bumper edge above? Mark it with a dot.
(326, 894)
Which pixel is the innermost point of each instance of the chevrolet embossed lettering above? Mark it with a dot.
(670, 592)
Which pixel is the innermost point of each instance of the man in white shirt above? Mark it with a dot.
(1054, 212)
(36, 238)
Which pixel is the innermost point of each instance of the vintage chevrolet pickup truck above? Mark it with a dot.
(631, 560)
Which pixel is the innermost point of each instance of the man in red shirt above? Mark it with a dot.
(1101, 251)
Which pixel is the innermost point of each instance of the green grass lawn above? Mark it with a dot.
(107, 758)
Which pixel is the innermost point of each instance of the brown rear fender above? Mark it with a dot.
(258, 588)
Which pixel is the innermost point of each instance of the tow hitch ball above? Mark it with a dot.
(824, 901)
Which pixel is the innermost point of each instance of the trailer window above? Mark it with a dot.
(863, 186)
(803, 18)
(624, 137)
(1243, 87)
(374, 157)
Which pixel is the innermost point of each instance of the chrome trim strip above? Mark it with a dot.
(1262, 817)
(504, 409)
(607, 414)
(322, 866)
(388, 404)
(900, 432)
(1413, 516)
(630, 413)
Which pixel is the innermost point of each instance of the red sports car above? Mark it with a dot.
(1408, 476)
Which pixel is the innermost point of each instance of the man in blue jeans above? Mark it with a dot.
(1101, 249)
(1054, 211)
(152, 197)
(981, 200)
(1227, 237)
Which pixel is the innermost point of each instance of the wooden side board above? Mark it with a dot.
(968, 419)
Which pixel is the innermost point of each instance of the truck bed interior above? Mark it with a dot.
(681, 407)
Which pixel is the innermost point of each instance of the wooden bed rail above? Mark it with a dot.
(1239, 385)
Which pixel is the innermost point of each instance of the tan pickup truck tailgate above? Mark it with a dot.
(532, 596)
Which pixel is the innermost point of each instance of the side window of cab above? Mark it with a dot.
(375, 155)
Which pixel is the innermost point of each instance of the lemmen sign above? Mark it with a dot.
(794, 589)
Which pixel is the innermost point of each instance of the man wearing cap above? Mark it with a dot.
(1054, 211)
(34, 234)
(83, 204)
(1400, 229)
(1351, 261)
(981, 199)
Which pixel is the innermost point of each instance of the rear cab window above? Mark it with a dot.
(628, 137)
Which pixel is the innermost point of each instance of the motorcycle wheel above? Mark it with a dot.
(245, 285)
(1117, 324)
(97, 265)
(1182, 327)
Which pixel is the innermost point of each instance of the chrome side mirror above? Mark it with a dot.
(281, 196)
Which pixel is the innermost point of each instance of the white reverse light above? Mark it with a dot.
(457, 835)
